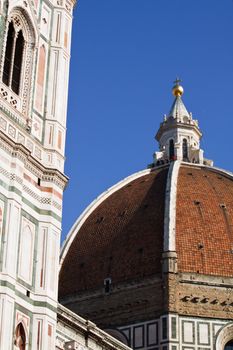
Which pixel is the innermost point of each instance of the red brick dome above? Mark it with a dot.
(204, 221)
(120, 237)
(184, 208)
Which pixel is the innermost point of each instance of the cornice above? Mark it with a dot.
(19, 151)
(165, 127)
(88, 328)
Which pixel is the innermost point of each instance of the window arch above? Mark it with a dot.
(13, 58)
(224, 337)
(8, 54)
(20, 337)
(229, 345)
(171, 149)
(26, 254)
(17, 63)
(185, 149)
(117, 334)
(18, 57)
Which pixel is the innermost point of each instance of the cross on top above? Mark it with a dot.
(177, 81)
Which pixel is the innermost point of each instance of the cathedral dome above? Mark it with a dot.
(158, 242)
(119, 237)
(122, 236)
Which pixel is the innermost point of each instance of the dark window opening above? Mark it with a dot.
(99, 220)
(38, 181)
(185, 149)
(8, 55)
(164, 328)
(107, 285)
(17, 66)
(229, 346)
(28, 293)
(20, 337)
(171, 150)
(13, 59)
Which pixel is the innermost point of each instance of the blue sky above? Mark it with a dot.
(125, 56)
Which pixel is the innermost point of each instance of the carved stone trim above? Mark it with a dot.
(4, 48)
(21, 21)
(224, 336)
(32, 164)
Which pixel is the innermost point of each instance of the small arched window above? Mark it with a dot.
(8, 54)
(20, 337)
(13, 58)
(17, 60)
(26, 254)
(229, 346)
(185, 149)
(171, 149)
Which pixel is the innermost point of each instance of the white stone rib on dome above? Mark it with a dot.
(169, 243)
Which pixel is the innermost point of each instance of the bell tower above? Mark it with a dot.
(179, 134)
(34, 68)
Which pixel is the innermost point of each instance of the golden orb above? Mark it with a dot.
(177, 90)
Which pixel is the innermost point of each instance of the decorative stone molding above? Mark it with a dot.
(10, 120)
(3, 48)
(169, 262)
(10, 96)
(21, 22)
(32, 164)
(81, 326)
(224, 336)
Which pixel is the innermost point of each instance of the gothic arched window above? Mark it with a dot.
(20, 337)
(13, 58)
(17, 65)
(8, 54)
(171, 149)
(185, 149)
(229, 346)
(18, 58)
(26, 254)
